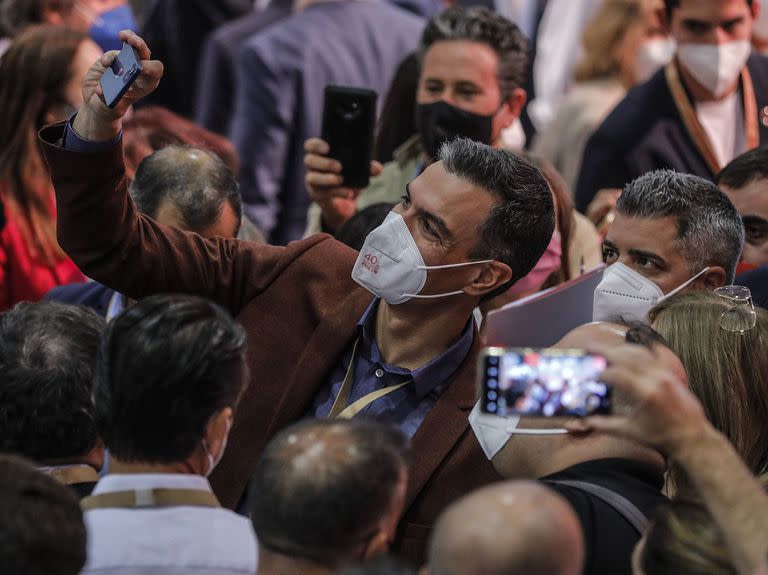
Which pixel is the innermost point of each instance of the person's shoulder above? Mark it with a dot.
(757, 64)
(757, 281)
(89, 294)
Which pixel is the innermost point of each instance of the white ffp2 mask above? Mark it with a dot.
(493, 432)
(715, 66)
(390, 264)
(626, 294)
(651, 56)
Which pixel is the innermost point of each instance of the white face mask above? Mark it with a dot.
(214, 461)
(390, 264)
(493, 432)
(651, 56)
(626, 294)
(715, 66)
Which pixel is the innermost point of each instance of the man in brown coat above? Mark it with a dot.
(320, 344)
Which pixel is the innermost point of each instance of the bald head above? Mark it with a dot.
(510, 527)
(188, 188)
(599, 332)
(323, 490)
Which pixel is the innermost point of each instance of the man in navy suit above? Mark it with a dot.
(216, 86)
(705, 108)
(281, 75)
(177, 186)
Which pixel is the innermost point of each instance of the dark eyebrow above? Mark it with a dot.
(692, 22)
(437, 222)
(610, 244)
(657, 259)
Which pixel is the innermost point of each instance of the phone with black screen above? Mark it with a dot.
(349, 120)
(543, 382)
(121, 75)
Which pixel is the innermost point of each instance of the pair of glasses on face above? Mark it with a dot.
(740, 317)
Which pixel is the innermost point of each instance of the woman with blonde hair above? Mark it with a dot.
(623, 46)
(727, 367)
(40, 83)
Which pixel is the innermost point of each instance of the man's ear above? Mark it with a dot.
(217, 430)
(757, 6)
(492, 275)
(424, 570)
(52, 16)
(512, 108)
(714, 278)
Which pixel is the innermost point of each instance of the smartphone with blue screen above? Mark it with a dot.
(543, 382)
(121, 75)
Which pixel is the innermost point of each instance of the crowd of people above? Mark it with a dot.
(218, 357)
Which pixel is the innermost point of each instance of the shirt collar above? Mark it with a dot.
(132, 481)
(428, 377)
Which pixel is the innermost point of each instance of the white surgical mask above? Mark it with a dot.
(390, 264)
(715, 66)
(214, 461)
(651, 56)
(626, 294)
(493, 432)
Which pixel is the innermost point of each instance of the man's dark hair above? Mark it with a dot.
(519, 227)
(16, 15)
(709, 229)
(745, 169)
(197, 182)
(356, 229)
(479, 24)
(166, 366)
(321, 488)
(643, 334)
(47, 361)
(41, 524)
(670, 5)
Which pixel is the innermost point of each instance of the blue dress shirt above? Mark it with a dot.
(406, 407)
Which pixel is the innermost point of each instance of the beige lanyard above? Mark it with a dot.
(694, 127)
(150, 498)
(340, 408)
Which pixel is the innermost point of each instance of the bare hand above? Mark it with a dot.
(661, 412)
(603, 202)
(324, 184)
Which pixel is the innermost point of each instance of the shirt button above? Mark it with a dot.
(379, 373)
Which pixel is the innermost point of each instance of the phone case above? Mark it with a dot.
(121, 75)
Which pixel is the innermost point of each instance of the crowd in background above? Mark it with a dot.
(216, 356)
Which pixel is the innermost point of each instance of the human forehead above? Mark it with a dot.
(750, 199)
(712, 11)
(655, 235)
(460, 60)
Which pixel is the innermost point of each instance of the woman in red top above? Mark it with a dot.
(40, 83)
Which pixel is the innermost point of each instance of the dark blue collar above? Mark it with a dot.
(428, 377)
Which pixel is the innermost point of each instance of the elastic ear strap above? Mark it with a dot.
(556, 431)
(459, 265)
(436, 295)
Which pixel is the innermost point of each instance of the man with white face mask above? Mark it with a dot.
(387, 334)
(672, 232)
(698, 113)
(613, 485)
(170, 373)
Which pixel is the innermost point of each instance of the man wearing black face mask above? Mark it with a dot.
(473, 64)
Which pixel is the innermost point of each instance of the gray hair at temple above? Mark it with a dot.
(709, 229)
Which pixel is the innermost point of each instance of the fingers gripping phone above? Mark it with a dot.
(349, 119)
(543, 382)
(125, 69)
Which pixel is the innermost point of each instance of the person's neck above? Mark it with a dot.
(122, 467)
(271, 563)
(698, 92)
(410, 336)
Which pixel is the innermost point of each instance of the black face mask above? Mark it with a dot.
(441, 122)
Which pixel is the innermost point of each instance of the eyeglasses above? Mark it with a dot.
(741, 316)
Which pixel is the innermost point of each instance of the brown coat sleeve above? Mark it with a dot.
(101, 230)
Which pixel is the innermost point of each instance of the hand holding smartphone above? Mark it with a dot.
(349, 119)
(543, 382)
(125, 69)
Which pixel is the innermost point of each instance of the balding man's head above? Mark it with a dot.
(330, 491)
(189, 188)
(511, 527)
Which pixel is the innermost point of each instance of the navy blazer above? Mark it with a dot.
(757, 281)
(281, 75)
(216, 82)
(645, 132)
(92, 295)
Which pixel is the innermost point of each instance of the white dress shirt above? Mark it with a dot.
(167, 540)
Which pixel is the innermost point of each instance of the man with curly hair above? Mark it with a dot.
(47, 358)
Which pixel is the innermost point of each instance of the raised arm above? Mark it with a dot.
(100, 229)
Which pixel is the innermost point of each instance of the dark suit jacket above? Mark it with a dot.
(216, 84)
(281, 76)
(301, 296)
(176, 30)
(645, 132)
(757, 281)
(92, 295)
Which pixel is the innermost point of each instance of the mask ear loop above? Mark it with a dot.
(685, 285)
(444, 267)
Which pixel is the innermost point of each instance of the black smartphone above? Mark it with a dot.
(349, 120)
(543, 382)
(121, 75)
